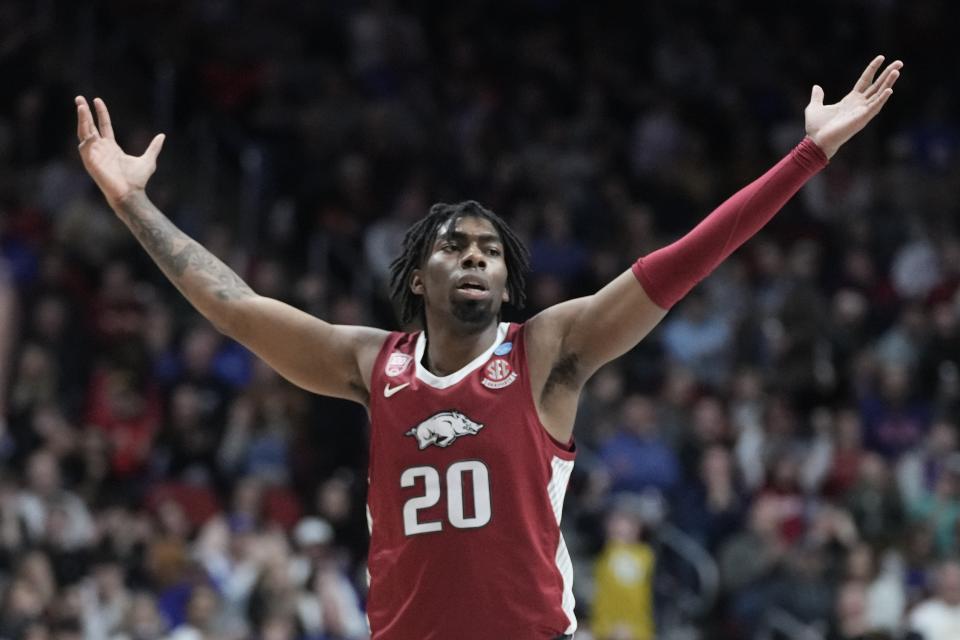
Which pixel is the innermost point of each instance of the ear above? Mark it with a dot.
(416, 282)
(505, 297)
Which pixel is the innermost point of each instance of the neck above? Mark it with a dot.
(451, 347)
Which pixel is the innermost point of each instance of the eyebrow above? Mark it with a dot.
(484, 238)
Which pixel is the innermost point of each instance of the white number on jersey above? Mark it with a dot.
(454, 484)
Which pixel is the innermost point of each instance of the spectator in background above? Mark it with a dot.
(142, 620)
(624, 576)
(847, 454)
(50, 327)
(883, 584)
(231, 553)
(850, 620)
(749, 562)
(35, 383)
(326, 602)
(874, 502)
(260, 423)
(22, 607)
(124, 405)
(785, 492)
(104, 598)
(636, 457)
(712, 506)
(188, 443)
(938, 618)
(674, 403)
(919, 470)
(557, 251)
(803, 589)
(709, 426)
(894, 419)
(203, 615)
(940, 360)
(940, 510)
(337, 504)
(919, 555)
(44, 494)
(700, 340)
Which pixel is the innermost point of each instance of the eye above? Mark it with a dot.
(494, 251)
(448, 247)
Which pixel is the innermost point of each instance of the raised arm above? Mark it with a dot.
(324, 358)
(570, 341)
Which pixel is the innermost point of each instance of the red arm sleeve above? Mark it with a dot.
(670, 273)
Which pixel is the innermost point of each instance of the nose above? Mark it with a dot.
(473, 258)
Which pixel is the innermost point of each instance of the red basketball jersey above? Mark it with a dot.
(466, 493)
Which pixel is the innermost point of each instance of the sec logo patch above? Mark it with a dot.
(397, 364)
(498, 374)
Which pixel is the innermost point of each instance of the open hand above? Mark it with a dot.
(116, 173)
(831, 125)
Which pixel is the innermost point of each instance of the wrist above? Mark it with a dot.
(811, 155)
(124, 200)
(828, 150)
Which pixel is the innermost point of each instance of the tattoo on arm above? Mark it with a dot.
(228, 285)
(184, 261)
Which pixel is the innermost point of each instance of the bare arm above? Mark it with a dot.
(323, 358)
(571, 340)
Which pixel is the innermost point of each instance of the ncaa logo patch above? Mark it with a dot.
(504, 349)
(498, 374)
(397, 364)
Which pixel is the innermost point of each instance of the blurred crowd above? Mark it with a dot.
(778, 460)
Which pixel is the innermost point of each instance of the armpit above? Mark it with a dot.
(565, 373)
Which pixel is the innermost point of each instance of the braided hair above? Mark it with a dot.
(419, 239)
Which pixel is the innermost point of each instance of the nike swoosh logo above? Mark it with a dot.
(389, 391)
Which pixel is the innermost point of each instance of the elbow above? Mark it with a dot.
(230, 320)
(224, 327)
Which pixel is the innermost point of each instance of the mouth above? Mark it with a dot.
(472, 287)
(471, 283)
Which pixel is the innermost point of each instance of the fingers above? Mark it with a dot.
(86, 129)
(816, 95)
(103, 118)
(886, 79)
(868, 74)
(155, 146)
(876, 103)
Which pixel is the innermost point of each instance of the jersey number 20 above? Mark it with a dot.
(454, 485)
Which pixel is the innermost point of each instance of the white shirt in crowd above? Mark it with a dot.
(936, 620)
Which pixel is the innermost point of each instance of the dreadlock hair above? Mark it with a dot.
(419, 239)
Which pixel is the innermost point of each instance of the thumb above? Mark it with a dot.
(155, 145)
(816, 95)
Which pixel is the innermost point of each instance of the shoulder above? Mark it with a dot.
(381, 344)
(368, 345)
(545, 332)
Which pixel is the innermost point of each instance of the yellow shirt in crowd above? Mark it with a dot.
(623, 602)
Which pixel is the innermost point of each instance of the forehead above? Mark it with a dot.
(468, 226)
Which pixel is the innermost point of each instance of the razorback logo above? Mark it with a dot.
(397, 363)
(498, 374)
(443, 428)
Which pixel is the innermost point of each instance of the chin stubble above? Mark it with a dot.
(472, 311)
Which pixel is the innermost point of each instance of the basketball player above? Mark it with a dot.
(472, 419)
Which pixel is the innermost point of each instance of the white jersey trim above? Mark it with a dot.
(444, 382)
(556, 489)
